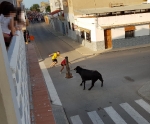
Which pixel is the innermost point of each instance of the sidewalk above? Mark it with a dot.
(40, 105)
(78, 47)
(86, 51)
(144, 91)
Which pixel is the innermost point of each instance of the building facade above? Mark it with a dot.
(101, 25)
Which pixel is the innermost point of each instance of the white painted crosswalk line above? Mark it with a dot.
(143, 104)
(76, 120)
(95, 117)
(134, 114)
(114, 115)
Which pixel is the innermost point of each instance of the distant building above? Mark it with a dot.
(56, 5)
(43, 6)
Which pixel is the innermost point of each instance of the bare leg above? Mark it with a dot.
(52, 64)
(62, 68)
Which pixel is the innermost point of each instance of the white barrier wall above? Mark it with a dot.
(18, 65)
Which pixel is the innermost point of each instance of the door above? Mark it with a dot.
(108, 40)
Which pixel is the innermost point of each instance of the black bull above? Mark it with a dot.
(89, 75)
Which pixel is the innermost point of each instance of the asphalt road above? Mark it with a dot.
(124, 72)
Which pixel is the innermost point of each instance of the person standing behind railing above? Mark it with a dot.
(19, 23)
(8, 12)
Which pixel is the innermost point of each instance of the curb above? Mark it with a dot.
(144, 91)
(127, 48)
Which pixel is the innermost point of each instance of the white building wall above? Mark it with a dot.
(99, 34)
(89, 24)
(142, 30)
(70, 18)
(117, 33)
(123, 19)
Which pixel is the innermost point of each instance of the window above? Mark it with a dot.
(129, 34)
(129, 31)
(82, 35)
(69, 25)
(72, 26)
(88, 36)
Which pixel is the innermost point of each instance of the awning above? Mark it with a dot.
(83, 29)
(114, 9)
(129, 28)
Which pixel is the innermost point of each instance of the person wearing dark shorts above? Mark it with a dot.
(54, 60)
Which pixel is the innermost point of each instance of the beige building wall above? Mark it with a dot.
(86, 4)
(83, 4)
(69, 7)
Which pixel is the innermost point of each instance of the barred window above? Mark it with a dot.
(82, 35)
(69, 25)
(88, 36)
(129, 34)
(129, 31)
(72, 26)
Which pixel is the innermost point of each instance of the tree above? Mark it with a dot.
(48, 9)
(35, 7)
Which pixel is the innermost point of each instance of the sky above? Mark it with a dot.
(29, 3)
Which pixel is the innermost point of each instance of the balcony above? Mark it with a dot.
(17, 77)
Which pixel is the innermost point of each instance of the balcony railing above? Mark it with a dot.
(18, 66)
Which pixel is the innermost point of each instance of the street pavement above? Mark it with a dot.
(124, 97)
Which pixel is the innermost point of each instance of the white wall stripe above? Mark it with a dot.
(76, 120)
(51, 88)
(95, 117)
(114, 115)
(143, 104)
(134, 114)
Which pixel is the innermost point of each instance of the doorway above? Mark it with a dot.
(108, 40)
